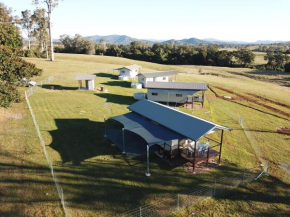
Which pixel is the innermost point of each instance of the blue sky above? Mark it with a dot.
(241, 20)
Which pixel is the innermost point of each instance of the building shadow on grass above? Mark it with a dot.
(79, 139)
(58, 87)
(118, 99)
(118, 84)
(106, 75)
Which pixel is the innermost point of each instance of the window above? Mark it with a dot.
(154, 94)
(164, 78)
(179, 95)
(122, 71)
(142, 79)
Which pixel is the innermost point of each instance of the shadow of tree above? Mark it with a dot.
(79, 139)
(58, 87)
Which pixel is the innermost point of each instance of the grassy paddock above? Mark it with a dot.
(98, 180)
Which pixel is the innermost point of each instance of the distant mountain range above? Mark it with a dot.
(117, 39)
(124, 39)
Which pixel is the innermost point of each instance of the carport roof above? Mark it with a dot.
(151, 132)
(179, 122)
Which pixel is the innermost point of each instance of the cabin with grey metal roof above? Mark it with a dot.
(163, 76)
(89, 81)
(176, 134)
(176, 92)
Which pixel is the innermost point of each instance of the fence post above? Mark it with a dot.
(178, 201)
(241, 120)
(140, 211)
(267, 169)
(244, 174)
(214, 187)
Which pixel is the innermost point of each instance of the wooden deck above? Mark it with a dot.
(200, 158)
(191, 100)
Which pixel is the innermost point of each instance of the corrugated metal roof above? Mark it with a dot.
(176, 85)
(158, 74)
(174, 91)
(152, 133)
(184, 124)
(131, 67)
(85, 77)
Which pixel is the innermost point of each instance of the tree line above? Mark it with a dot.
(160, 53)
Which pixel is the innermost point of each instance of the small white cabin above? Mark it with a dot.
(128, 72)
(143, 78)
(176, 92)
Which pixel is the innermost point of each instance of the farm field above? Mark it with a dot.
(99, 181)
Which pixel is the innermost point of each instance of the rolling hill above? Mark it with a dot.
(116, 39)
(124, 39)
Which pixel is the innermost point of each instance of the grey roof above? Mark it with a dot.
(131, 67)
(173, 91)
(85, 77)
(176, 85)
(152, 133)
(184, 124)
(158, 74)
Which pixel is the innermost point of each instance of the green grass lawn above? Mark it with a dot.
(99, 181)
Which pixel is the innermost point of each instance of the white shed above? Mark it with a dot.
(89, 80)
(176, 92)
(128, 72)
(143, 78)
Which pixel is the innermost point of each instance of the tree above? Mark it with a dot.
(9, 36)
(276, 61)
(51, 5)
(244, 57)
(9, 33)
(40, 26)
(12, 70)
(104, 43)
(5, 14)
(26, 24)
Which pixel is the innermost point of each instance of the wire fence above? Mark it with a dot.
(28, 93)
(172, 203)
(219, 186)
(182, 200)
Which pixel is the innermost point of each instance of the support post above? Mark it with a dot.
(221, 145)
(214, 187)
(178, 201)
(140, 211)
(207, 157)
(170, 152)
(168, 99)
(164, 149)
(123, 133)
(202, 98)
(194, 155)
(147, 173)
(105, 122)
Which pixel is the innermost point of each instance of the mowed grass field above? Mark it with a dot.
(99, 181)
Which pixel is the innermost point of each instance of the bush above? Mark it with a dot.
(13, 69)
(33, 53)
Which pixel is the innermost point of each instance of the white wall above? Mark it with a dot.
(129, 73)
(142, 80)
(162, 79)
(163, 97)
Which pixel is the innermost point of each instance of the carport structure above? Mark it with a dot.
(159, 125)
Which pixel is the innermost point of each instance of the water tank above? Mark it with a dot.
(139, 96)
